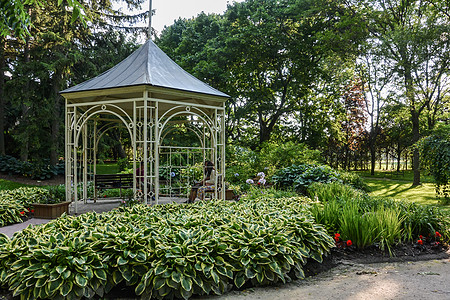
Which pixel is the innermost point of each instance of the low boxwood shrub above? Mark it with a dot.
(164, 251)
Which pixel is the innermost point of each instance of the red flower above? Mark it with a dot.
(420, 242)
(349, 243)
(22, 213)
(337, 235)
(438, 234)
(32, 210)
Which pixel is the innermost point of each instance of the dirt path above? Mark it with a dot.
(400, 280)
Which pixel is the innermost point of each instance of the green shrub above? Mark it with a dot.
(354, 180)
(163, 251)
(123, 164)
(56, 194)
(335, 190)
(300, 177)
(255, 192)
(435, 158)
(39, 170)
(244, 163)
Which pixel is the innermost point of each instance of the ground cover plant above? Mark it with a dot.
(40, 170)
(368, 220)
(300, 177)
(164, 251)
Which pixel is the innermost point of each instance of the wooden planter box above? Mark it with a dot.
(50, 211)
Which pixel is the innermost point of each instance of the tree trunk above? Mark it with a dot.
(25, 140)
(387, 159)
(118, 150)
(415, 139)
(2, 99)
(372, 159)
(381, 158)
(55, 126)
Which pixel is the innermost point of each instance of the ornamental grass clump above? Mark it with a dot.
(370, 220)
(164, 251)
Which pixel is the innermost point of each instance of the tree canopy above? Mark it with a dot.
(360, 81)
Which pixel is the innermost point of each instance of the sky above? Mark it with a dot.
(169, 10)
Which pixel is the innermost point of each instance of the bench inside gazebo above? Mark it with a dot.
(155, 100)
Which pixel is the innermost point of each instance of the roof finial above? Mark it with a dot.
(149, 33)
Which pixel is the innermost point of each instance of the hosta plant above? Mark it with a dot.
(164, 251)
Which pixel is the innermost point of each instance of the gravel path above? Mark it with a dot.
(380, 281)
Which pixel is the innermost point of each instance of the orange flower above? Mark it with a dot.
(438, 234)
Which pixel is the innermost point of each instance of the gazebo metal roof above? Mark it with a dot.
(146, 93)
(149, 65)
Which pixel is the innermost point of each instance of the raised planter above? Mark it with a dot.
(50, 211)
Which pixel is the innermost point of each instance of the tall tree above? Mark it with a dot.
(413, 37)
(15, 18)
(278, 48)
(376, 74)
(56, 44)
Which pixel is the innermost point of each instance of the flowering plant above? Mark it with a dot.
(261, 180)
(433, 241)
(341, 243)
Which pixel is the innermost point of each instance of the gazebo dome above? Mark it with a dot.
(148, 65)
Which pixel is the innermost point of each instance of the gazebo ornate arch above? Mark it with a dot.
(146, 92)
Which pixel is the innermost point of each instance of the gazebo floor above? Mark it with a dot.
(107, 204)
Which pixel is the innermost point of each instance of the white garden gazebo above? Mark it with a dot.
(149, 95)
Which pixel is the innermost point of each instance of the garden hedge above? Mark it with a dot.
(163, 251)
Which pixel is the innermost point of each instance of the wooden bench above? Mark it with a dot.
(112, 181)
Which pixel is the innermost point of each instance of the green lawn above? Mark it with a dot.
(403, 190)
(108, 169)
(10, 185)
(405, 175)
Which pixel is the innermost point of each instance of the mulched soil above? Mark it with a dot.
(401, 253)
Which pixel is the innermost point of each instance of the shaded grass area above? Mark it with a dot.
(11, 185)
(403, 175)
(404, 190)
(108, 168)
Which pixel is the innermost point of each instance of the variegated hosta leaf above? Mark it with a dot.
(164, 250)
